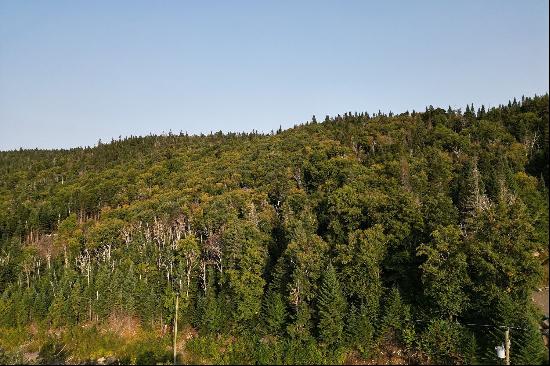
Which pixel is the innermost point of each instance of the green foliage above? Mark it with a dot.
(446, 342)
(303, 352)
(531, 350)
(439, 216)
(210, 313)
(395, 324)
(360, 330)
(246, 253)
(147, 351)
(331, 308)
(275, 313)
(204, 349)
(360, 262)
(269, 352)
(444, 272)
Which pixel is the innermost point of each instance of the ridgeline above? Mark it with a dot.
(362, 238)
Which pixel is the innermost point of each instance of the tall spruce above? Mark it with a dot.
(331, 308)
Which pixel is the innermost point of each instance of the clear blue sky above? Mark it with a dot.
(72, 72)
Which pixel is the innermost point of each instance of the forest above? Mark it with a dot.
(366, 237)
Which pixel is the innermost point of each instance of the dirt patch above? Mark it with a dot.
(32, 329)
(388, 355)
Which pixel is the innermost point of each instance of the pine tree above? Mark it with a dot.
(481, 112)
(300, 328)
(531, 350)
(444, 271)
(471, 197)
(274, 312)
(331, 305)
(395, 323)
(360, 330)
(209, 308)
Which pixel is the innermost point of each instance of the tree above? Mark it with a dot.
(445, 272)
(275, 312)
(210, 310)
(471, 197)
(531, 350)
(331, 306)
(360, 330)
(500, 254)
(396, 321)
(360, 262)
(69, 237)
(190, 250)
(442, 341)
(246, 253)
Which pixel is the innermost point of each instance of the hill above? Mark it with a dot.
(327, 242)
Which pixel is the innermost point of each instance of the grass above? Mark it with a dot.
(82, 344)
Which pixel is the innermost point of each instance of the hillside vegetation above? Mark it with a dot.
(336, 241)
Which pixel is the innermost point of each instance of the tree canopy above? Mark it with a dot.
(392, 229)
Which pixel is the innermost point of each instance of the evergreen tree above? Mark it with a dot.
(444, 272)
(530, 349)
(331, 308)
(396, 320)
(360, 330)
(451, 209)
(210, 312)
(274, 313)
(471, 197)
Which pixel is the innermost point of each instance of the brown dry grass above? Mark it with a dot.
(32, 328)
(388, 354)
(124, 326)
(183, 336)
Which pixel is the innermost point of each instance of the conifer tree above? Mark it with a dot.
(396, 321)
(331, 307)
(275, 312)
(471, 198)
(360, 330)
(444, 272)
(531, 350)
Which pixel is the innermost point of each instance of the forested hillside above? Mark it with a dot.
(336, 241)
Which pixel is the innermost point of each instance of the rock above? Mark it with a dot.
(107, 360)
(111, 361)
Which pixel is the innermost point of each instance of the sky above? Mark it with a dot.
(74, 72)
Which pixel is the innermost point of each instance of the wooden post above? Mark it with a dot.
(507, 344)
(176, 329)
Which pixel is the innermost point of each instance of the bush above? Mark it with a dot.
(203, 349)
(446, 342)
(302, 352)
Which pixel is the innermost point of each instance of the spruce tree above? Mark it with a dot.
(396, 321)
(360, 330)
(331, 306)
(531, 350)
(274, 312)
